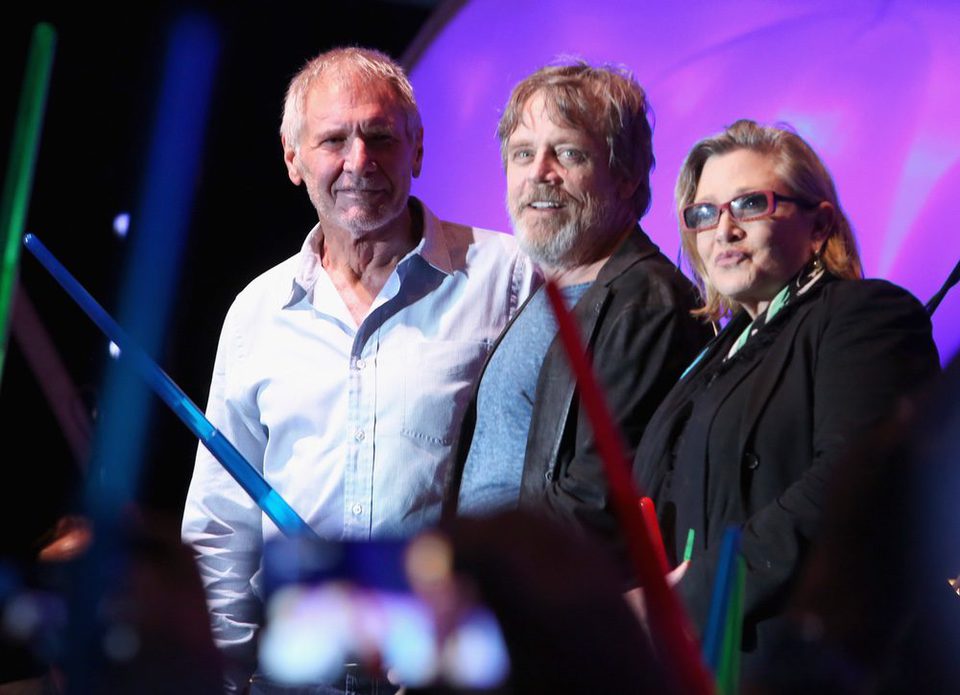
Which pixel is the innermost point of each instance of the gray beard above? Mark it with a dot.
(574, 243)
(555, 250)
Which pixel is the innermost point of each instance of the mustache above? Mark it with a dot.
(546, 194)
(357, 184)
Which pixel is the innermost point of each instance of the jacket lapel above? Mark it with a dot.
(774, 359)
(771, 363)
(559, 385)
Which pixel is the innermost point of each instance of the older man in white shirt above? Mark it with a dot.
(343, 373)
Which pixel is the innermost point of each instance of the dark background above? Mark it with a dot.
(247, 215)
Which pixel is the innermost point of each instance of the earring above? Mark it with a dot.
(816, 265)
(814, 270)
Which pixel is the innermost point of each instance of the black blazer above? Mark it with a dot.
(820, 375)
(635, 319)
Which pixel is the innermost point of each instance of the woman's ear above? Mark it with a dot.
(823, 221)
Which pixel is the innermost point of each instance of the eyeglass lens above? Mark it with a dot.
(745, 207)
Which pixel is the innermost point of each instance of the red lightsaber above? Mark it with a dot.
(669, 625)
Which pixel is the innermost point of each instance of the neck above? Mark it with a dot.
(754, 309)
(360, 265)
(564, 277)
(589, 269)
(368, 253)
(805, 278)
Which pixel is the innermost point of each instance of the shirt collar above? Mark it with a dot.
(432, 248)
(433, 243)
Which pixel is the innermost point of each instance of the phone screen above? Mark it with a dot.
(394, 607)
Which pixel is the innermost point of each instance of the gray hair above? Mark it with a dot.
(352, 63)
(605, 100)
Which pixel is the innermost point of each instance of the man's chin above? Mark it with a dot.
(359, 226)
(547, 252)
(361, 222)
(535, 235)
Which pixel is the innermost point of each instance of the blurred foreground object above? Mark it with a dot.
(155, 635)
(507, 604)
(873, 613)
(69, 539)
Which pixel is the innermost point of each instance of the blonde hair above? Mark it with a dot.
(803, 174)
(605, 100)
(364, 65)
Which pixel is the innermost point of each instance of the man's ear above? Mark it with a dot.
(418, 158)
(291, 159)
(627, 188)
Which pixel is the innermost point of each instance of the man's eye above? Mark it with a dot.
(332, 141)
(570, 154)
(521, 155)
(379, 138)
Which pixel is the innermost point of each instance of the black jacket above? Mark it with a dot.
(635, 319)
(782, 413)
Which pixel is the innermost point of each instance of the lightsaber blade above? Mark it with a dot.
(15, 198)
(268, 499)
(668, 621)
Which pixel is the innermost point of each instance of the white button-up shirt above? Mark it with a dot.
(353, 426)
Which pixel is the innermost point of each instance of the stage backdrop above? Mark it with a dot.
(872, 84)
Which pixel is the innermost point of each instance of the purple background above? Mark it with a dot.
(873, 85)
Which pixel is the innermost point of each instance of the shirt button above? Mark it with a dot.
(357, 510)
(548, 476)
(751, 461)
(359, 435)
(361, 363)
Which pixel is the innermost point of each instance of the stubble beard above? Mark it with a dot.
(363, 219)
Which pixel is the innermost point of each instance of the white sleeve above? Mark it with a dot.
(221, 524)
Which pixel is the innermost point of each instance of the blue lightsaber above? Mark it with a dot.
(268, 499)
(720, 601)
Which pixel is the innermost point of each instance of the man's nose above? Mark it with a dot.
(545, 169)
(358, 159)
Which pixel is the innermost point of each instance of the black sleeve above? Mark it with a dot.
(873, 348)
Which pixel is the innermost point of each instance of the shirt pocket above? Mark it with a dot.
(438, 383)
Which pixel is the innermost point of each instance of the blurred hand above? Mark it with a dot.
(634, 597)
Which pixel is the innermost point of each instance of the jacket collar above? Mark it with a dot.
(633, 249)
(722, 342)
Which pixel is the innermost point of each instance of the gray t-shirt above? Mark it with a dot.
(494, 465)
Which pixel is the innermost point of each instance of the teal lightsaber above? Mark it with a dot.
(268, 499)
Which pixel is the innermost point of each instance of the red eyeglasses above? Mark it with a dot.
(755, 205)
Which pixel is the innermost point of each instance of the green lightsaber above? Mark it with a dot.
(19, 179)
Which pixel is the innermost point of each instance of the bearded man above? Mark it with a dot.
(576, 148)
